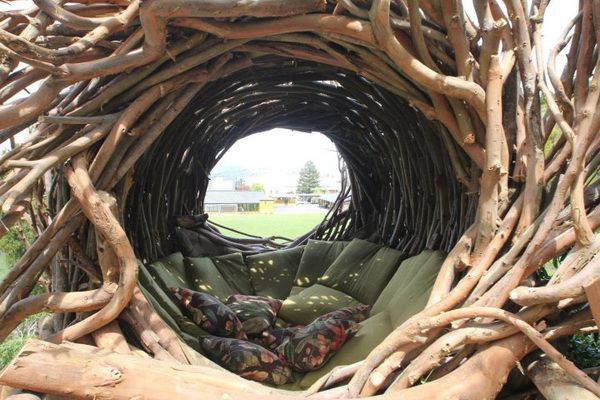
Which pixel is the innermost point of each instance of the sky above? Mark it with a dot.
(274, 158)
(280, 147)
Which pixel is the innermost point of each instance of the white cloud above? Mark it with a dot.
(275, 157)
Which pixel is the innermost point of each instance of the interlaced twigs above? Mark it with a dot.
(533, 334)
(90, 300)
(568, 288)
(99, 32)
(39, 167)
(415, 69)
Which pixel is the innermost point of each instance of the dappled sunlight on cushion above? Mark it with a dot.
(313, 302)
(362, 270)
(317, 257)
(235, 272)
(205, 277)
(169, 271)
(272, 274)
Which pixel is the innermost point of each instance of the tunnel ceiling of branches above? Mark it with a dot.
(404, 191)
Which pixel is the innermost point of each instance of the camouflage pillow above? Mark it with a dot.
(209, 313)
(354, 313)
(247, 359)
(257, 313)
(313, 345)
(273, 338)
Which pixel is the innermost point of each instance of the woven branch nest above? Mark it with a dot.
(437, 114)
(394, 156)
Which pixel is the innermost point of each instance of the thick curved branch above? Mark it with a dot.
(154, 15)
(100, 215)
(433, 355)
(68, 18)
(39, 167)
(33, 105)
(326, 23)
(90, 300)
(100, 32)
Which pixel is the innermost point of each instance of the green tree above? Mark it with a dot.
(308, 181)
(12, 244)
(257, 187)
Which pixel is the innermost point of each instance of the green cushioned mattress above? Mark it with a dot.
(353, 273)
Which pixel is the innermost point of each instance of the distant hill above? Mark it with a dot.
(231, 172)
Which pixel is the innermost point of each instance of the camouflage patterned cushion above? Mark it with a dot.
(209, 313)
(354, 313)
(247, 359)
(273, 338)
(257, 313)
(313, 345)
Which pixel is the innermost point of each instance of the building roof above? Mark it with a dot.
(233, 197)
(330, 197)
(283, 195)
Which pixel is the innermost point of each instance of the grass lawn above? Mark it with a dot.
(290, 225)
(3, 265)
(14, 342)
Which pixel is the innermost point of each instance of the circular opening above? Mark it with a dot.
(275, 183)
(404, 192)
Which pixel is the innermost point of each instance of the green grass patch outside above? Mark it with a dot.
(9, 349)
(584, 348)
(289, 225)
(15, 341)
(4, 265)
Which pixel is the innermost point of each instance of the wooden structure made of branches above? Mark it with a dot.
(437, 115)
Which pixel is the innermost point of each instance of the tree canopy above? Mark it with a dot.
(308, 181)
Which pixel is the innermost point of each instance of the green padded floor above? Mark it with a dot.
(313, 280)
